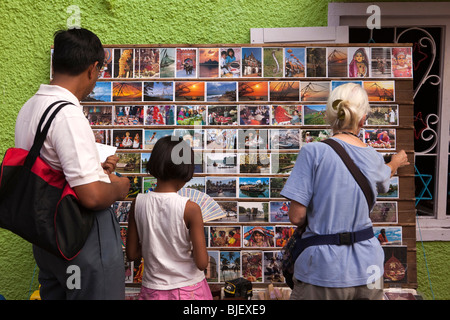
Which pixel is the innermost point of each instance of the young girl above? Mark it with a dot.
(166, 229)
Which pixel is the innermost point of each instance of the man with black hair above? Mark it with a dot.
(98, 270)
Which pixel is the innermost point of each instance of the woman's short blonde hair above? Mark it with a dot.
(346, 106)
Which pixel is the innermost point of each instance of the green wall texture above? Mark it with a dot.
(26, 34)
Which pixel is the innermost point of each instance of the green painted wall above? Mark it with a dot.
(26, 32)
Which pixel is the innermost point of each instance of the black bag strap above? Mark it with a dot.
(41, 133)
(357, 174)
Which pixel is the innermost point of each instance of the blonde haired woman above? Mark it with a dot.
(324, 193)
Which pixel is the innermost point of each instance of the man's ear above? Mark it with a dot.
(93, 70)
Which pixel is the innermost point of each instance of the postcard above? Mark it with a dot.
(123, 235)
(231, 210)
(158, 91)
(221, 187)
(284, 91)
(254, 115)
(393, 191)
(208, 60)
(252, 266)
(186, 63)
(273, 62)
(147, 63)
(221, 138)
(314, 114)
(253, 91)
(152, 135)
(402, 62)
(149, 184)
(225, 236)
(145, 156)
(194, 137)
(212, 270)
(222, 115)
(359, 62)
(395, 264)
(102, 92)
(124, 63)
(294, 62)
(384, 212)
(316, 62)
(337, 61)
(315, 91)
(167, 62)
(380, 139)
(282, 163)
(127, 91)
(381, 62)
(98, 115)
(282, 234)
(253, 212)
(279, 211)
(230, 62)
(135, 187)
(284, 139)
(197, 183)
(159, 115)
(254, 187)
(128, 115)
(127, 138)
(102, 136)
(388, 235)
(253, 139)
(128, 163)
(222, 163)
(230, 265)
(221, 91)
(106, 71)
(337, 83)
(258, 236)
(272, 262)
(122, 210)
(309, 136)
(380, 90)
(189, 91)
(254, 163)
(252, 62)
(276, 185)
(287, 115)
(191, 115)
(198, 162)
(383, 115)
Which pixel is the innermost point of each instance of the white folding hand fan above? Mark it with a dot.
(210, 208)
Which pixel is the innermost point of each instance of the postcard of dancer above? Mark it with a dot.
(122, 210)
(282, 234)
(208, 60)
(384, 212)
(252, 62)
(383, 115)
(255, 115)
(273, 62)
(359, 65)
(284, 91)
(223, 187)
(337, 61)
(252, 266)
(254, 163)
(230, 265)
(159, 115)
(231, 210)
(167, 62)
(253, 91)
(186, 63)
(259, 236)
(191, 115)
(222, 163)
(402, 62)
(381, 62)
(393, 191)
(158, 91)
(314, 115)
(388, 235)
(312, 135)
(102, 92)
(212, 270)
(128, 115)
(230, 62)
(127, 91)
(147, 63)
(106, 72)
(284, 139)
(285, 115)
(221, 138)
(152, 135)
(272, 261)
(380, 90)
(381, 139)
(195, 137)
(189, 91)
(316, 62)
(225, 236)
(254, 187)
(253, 212)
(279, 211)
(127, 139)
(221, 91)
(98, 115)
(222, 115)
(253, 139)
(282, 163)
(314, 91)
(124, 63)
(294, 62)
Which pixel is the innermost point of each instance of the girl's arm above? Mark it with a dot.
(194, 222)
(133, 248)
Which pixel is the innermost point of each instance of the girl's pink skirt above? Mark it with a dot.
(198, 291)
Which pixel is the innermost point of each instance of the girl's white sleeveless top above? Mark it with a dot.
(165, 242)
